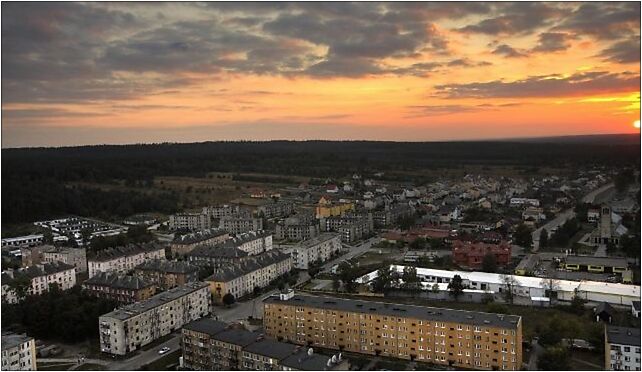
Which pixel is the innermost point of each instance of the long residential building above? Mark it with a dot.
(527, 286)
(241, 278)
(621, 348)
(18, 352)
(122, 288)
(189, 221)
(232, 250)
(455, 338)
(351, 227)
(280, 208)
(210, 345)
(123, 259)
(167, 274)
(184, 244)
(239, 225)
(315, 250)
(225, 210)
(76, 257)
(471, 254)
(391, 215)
(297, 228)
(41, 277)
(129, 328)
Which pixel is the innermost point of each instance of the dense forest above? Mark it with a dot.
(36, 181)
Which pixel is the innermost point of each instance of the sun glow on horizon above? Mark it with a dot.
(636, 124)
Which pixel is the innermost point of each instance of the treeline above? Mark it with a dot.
(31, 200)
(68, 316)
(262, 179)
(36, 181)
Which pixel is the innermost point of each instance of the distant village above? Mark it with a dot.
(315, 277)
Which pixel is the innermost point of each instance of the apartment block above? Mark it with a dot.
(189, 221)
(41, 276)
(455, 338)
(241, 278)
(233, 250)
(327, 208)
(129, 328)
(391, 215)
(350, 227)
(184, 244)
(621, 348)
(225, 210)
(210, 345)
(122, 288)
(76, 257)
(167, 274)
(297, 228)
(239, 225)
(318, 249)
(123, 259)
(18, 352)
(276, 209)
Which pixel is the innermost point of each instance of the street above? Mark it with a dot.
(353, 251)
(145, 357)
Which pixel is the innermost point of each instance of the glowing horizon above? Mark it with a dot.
(77, 73)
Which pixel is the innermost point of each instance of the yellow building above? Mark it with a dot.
(326, 208)
(447, 337)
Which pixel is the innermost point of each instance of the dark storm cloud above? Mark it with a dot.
(627, 51)
(546, 86)
(517, 18)
(604, 20)
(508, 51)
(465, 62)
(552, 42)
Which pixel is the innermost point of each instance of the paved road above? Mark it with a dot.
(536, 351)
(146, 357)
(551, 225)
(353, 251)
(600, 193)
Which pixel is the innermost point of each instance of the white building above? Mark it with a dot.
(527, 286)
(253, 242)
(239, 225)
(319, 248)
(41, 276)
(123, 259)
(27, 240)
(18, 352)
(622, 348)
(71, 256)
(514, 202)
(189, 221)
(133, 326)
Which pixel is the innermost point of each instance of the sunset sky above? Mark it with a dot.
(96, 73)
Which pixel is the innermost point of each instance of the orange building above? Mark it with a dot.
(471, 254)
(441, 336)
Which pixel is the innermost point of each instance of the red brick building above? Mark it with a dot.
(471, 254)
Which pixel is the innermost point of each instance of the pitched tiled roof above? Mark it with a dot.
(112, 280)
(123, 251)
(178, 267)
(253, 263)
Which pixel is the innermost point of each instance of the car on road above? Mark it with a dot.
(164, 350)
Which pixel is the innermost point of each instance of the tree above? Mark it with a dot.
(419, 243)
(47, 237)
(551, 333)
(554, 358)
(411, 281)
(20, 285)
(489, 263)
(347, 276)
(336, 284)
(508, 287)
(551, 286)
(623, 179)
(382, 281)
(456, 287)
(522, 236)
(577, 304)
(229, 299)
(543, 239)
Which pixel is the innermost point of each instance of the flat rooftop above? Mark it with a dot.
(160, 299)
(623, 335)
(399, 310)
(597, 261)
